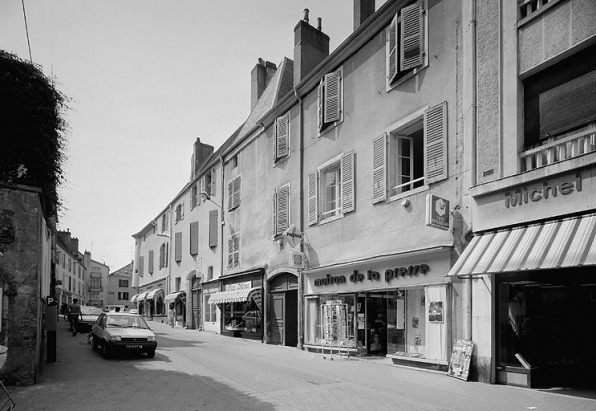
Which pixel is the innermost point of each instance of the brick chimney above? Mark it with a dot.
(200, 153)
(311, 46)
(363, 9)
(260, 76)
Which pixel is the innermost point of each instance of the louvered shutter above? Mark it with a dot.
(194, 238)
(202, 182)
(320, 104)
(150, 262)
(391, 51)
(178, 247)
(435, 143)
(161, 250)
(347, 182)
(213, 182)
(237, 187)
(332, 104)
(282, 206)
(167, 254)
(380, 168)
(282, 136)
(411, 37)
(182, 211)
(236, 239)
(213, 228)
(230, 194)
(313, 204)
(141, 266)
(274, 215)
(230, 251)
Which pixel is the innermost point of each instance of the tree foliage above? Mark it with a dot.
(32, 129)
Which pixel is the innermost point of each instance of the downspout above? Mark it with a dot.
(301, 222)
(221, 232)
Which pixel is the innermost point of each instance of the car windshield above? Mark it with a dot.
(126, 321)
(85, 310)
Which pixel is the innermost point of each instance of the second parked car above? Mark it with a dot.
(115, 331)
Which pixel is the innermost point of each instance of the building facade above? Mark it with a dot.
(119, 286)
(530, 263)
(71, 270)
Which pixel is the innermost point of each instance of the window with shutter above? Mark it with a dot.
(281, 210)
(194, 197)
(413, 154)
(213, 228)
(347, 182)
(150, 262)
(234, 251)
(330, 100)
(407, 37)
(282, 136)
(194, 238)
(141, 266)
(213, 182)
(234, 188)
(313, 202)
(178, 247)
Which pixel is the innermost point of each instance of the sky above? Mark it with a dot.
(145, 79)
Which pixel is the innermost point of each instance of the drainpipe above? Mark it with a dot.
(301, 222)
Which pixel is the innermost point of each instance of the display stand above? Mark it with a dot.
(334, 321)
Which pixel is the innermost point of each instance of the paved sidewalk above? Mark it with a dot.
(73, 381)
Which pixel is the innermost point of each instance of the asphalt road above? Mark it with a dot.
(195, 370)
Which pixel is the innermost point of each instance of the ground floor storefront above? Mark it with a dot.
(399, 307)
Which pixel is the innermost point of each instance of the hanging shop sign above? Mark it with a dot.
(437, 212)
(526, 195)
(293, 236)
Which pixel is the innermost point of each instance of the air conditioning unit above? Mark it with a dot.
(297, 260)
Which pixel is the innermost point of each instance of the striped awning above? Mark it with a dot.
(173, 296)
(134, 298)
(553, 244)
(153, 294)
(235, 296)
(142, 296)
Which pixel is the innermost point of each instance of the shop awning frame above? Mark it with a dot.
(235, 296)
(549, 245)
(171, 297)
(154, 294)
(134, 298)
(142, 296)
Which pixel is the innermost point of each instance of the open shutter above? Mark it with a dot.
(237, 187)
(282, 206)
(194, 238)
(347, 182)
(230, 194)
(213, 182)
(230, 251)
(282, 136)
(380, 168)
(274, 215)
(213, 228)
(182, 211)
(435, 143)
(320, 104)
(202, 188)
(332, 105)
(391, 51)
(411, 37)
(236, 239)
(313, 202)
(150, 262)
(178, 247)
(141, 266)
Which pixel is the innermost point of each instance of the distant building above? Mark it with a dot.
(98, 284)
(120, 288)
(70, 269)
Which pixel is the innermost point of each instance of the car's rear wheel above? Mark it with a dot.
(151, 353)
(105, 350)
(95, 345)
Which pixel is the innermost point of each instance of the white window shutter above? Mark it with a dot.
(230, 194)
(283, 208)
(201, 189)
(411, 47)
(435, 143)
(213, 182)
(313, 202)
(182, 211)
(237, 188)
(380, 169)
(320, 104)
(274, 215)
(282, 135)
(332, 105)
(392, 51)
(347, 182)
(230, 251)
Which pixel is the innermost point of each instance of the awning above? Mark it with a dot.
(134, 298)
(173, 296)
(154, 294)
(235, 296)
(554, 244)
(142, 296)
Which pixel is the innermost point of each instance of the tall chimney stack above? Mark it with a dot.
(311, 46)
(363, 9)
(260, 76)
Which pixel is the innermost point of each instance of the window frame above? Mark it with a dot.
(396, 41)
(234, 192)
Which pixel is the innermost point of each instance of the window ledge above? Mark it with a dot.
(415, 191)
(405, 78)
(330, 219)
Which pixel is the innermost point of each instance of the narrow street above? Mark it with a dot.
(195, 370)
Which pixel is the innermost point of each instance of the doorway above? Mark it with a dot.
(283, 312)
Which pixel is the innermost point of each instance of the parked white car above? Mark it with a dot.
(127, 332)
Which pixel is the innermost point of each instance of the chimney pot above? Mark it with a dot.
(305, 19)
(319, 23)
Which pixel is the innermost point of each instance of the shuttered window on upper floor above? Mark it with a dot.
(282, 137)
(281, 210)
(213, 228)
(194, 238)
(330, 100)
(150, 261)
(234, 191)
(178, 247)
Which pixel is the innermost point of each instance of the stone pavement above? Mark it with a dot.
(78, 380)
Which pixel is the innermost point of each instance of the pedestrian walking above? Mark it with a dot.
(172, 316)
(74, 312)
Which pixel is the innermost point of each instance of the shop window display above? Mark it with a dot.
(243, 317)
(324, 310)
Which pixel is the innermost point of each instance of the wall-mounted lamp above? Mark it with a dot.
(405, 202)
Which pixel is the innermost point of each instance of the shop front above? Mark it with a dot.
(240, 305)
(177, 300)
(397, 307)
(154, 302)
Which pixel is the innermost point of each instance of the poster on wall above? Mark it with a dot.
(435, 311)
(459, 365)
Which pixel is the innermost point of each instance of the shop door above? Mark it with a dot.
(291, 320)
(196, 310)
(277, 318)
(376, 324)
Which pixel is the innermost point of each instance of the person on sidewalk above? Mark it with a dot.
(172, 316)
(74, 313)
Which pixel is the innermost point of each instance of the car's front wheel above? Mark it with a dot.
(105, 350)
(95, 344)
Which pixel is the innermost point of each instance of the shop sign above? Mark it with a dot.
(388, 275)
(293, 236)
(437, 212)
(238, 286)
(525, 195)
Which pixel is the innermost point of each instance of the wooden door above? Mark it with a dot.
(277, 318)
